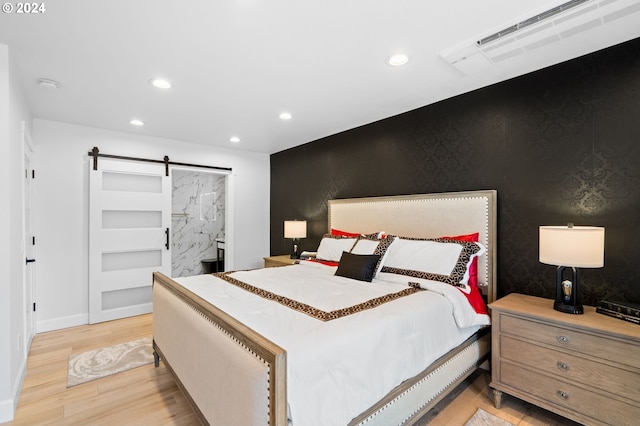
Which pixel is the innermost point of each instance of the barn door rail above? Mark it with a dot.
(95, 153)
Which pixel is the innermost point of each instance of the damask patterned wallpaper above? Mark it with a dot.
(559, 145)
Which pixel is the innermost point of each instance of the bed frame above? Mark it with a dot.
(232, 375)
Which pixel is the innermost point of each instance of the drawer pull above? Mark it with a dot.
(563, 339)
(562, 395)
(563, 365)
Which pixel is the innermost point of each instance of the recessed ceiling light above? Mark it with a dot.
(136, 122)
(234, 139)
(160, 83)
(398, 60)
(285, 116)
(47, 83)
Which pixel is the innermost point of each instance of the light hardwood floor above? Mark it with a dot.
(149, 395)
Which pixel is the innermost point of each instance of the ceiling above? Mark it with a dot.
(235, 65)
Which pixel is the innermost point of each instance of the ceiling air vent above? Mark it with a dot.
(531, 21)
(548, 27)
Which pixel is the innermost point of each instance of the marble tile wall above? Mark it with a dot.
(197, 219)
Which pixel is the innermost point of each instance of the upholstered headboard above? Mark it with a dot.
(427, 216)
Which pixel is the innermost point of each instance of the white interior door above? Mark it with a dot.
(129, 220)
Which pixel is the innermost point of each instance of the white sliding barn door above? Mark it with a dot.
(129, 220)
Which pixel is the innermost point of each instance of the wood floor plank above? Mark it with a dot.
(149, 396)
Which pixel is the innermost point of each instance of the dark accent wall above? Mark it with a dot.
(559, 145)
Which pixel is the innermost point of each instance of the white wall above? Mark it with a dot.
(5, 226)
(13, 113)
(61, 208)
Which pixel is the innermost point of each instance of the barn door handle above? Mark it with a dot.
(167, 234)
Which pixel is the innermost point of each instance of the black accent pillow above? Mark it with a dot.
(361, 267)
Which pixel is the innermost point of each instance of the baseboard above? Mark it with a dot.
(62, 322)
(7, 410)
(8, 406)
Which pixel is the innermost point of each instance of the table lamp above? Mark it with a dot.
(569, 248)
(295, 229)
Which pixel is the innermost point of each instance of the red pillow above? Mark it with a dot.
(474, 296)
(345, 233)
(324, 262)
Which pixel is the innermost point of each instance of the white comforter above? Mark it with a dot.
(337, 369)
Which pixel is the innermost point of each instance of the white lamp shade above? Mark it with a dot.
(577, 246)
(295, 229)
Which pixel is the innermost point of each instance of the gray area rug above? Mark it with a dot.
(483, 418)
(91, 365)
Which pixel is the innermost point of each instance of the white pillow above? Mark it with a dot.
(331, 248)
(365, 246)
(438, 259)
(373, 245)
(419, 255)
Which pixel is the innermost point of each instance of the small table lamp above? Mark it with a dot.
(571, 247)
(295, 229)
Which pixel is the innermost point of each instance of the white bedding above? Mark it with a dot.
(339, 368)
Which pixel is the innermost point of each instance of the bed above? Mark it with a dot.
(276, 351)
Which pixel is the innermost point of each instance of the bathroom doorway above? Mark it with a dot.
(198, 222)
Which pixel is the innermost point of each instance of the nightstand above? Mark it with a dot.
(282, 260)
(584, 367)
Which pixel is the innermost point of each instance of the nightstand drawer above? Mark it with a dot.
(573, 398)
(613, 350)
(571, 368)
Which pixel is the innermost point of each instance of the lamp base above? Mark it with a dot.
(568, 309)
(567, 291)
(295, 254)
